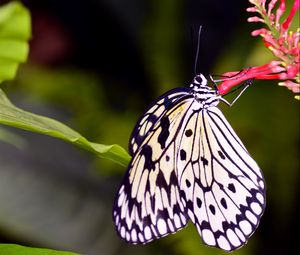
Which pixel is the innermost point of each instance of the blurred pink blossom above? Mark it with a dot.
(277, 37)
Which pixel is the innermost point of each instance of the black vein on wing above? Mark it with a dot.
(233, 148)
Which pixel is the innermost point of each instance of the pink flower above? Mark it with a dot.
(283, 43)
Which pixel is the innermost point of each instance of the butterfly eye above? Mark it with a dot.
(199, 79)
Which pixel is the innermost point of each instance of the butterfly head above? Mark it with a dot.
(199, 81)
(203, 93)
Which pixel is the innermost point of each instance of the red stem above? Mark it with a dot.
(288, 20)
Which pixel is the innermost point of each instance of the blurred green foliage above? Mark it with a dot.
(13, 249)
(12, 138)
(15, 31)
(14, 34)
(13, 116)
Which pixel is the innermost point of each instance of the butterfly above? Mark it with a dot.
(188, 164)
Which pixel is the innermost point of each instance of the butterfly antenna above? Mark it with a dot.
(197, 50)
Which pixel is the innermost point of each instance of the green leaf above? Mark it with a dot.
(15, 31)
(12, 138)
(13, 116)
(15, 249)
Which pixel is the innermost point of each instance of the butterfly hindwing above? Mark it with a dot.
(223, 188)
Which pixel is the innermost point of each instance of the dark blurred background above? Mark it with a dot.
(95, 65)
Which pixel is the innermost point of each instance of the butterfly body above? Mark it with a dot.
(188, 164)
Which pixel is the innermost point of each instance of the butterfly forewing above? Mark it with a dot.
(148, 205)
(153, 114)
(188, 163)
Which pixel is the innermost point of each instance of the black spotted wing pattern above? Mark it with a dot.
(148, 204)
(188, 163)
(153, 115)
(223, 188)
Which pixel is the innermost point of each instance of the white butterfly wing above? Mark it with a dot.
(187, 162)
(148, 204)
(153, 114)
(222, 188)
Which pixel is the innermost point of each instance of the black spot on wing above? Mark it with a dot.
(182, 154)
(188, 183)
(188, 133)
(161, 181)
(164, 134)
(182, 195)
(212, 209)
(204, 160)
(231, 187)
(199, 202)
(152, 118)
(147, 152)
(221, 155)
(189, 205)
(223, 203)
